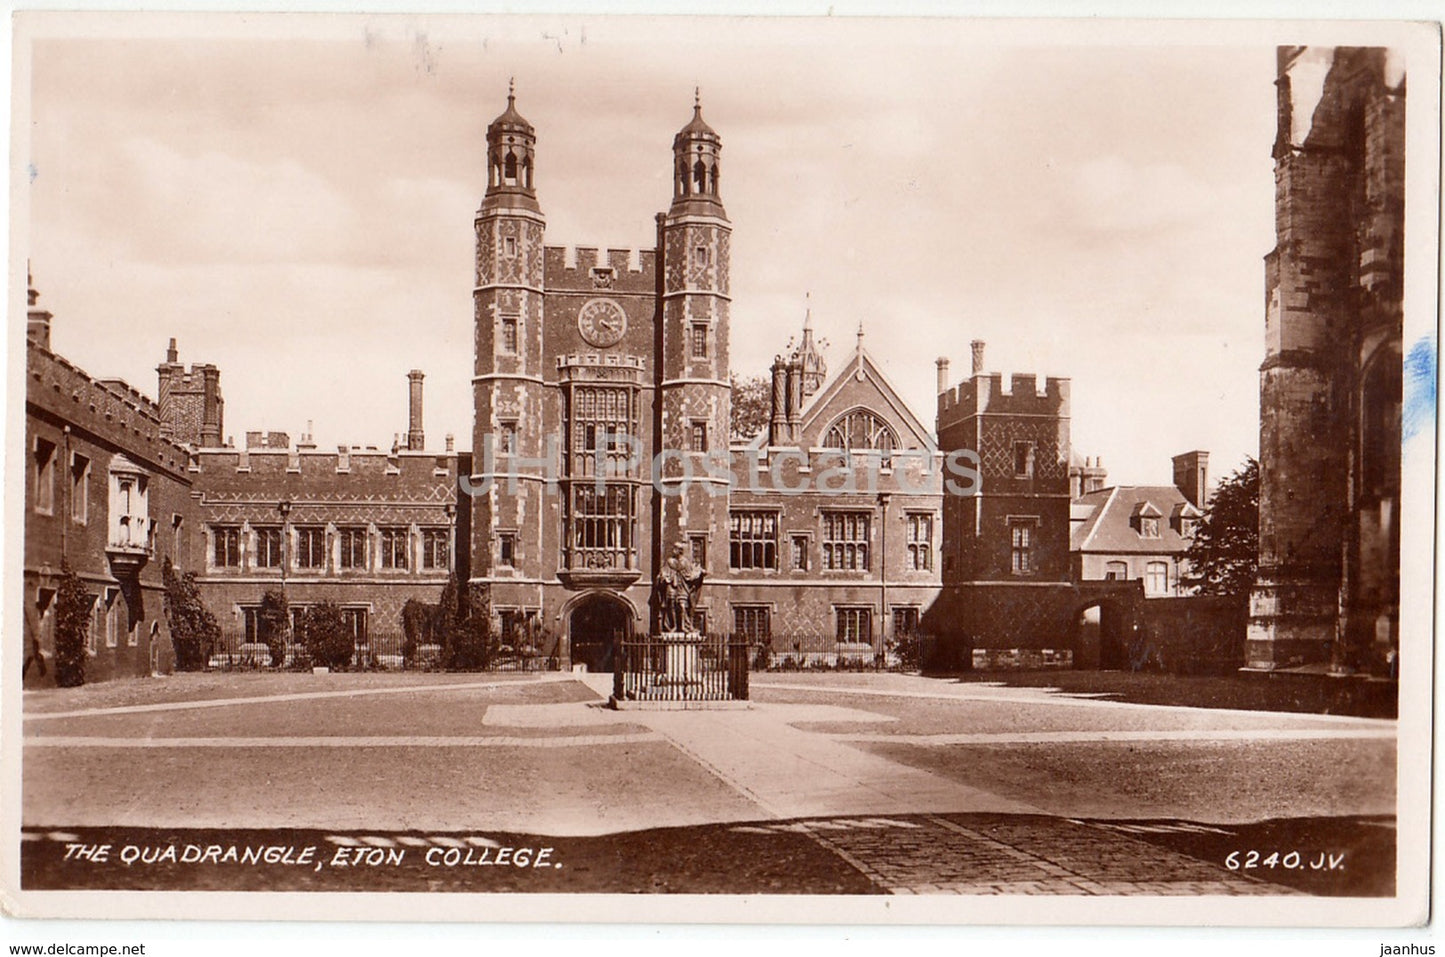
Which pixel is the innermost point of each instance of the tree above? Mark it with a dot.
(272, 621)
(329, 641)
(465, 626)
(1225, 551)
(417, 620)
(72, 622)
(194, 630)
(752, 405)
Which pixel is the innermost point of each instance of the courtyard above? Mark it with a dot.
(829, 783)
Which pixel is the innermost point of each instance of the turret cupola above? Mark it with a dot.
(37, 325)
(511, 158)
(810, 357)
(695, 151)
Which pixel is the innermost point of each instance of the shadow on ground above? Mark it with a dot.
(1309, 694)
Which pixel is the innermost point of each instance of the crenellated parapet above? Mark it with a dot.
(591, 268)
(987, 394)
(107, 408)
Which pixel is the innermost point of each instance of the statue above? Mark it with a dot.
(675, 591)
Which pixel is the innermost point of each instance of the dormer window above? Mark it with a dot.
(1184, 519)
(1146, 520)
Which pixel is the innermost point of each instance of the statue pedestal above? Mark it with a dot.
(681, 658)
(676, 671)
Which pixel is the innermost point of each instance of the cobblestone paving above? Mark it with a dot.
(929, 854)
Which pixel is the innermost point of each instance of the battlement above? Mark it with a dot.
(110, 409)
(985, 394)
(191, 379)
(356, 465)
(131, 396)
(590, 267)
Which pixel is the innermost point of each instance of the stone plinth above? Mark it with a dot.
(673, 672)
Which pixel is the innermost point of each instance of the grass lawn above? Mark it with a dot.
(1300, 693)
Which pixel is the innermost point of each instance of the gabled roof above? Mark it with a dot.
(1109, 527)
(826, 406)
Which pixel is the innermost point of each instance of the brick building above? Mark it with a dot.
(834, 522)
(601, 437)
(601, 399)
(362, 527)
(1006, 590)
(108, 494)
(1330, 383)
(1128, 532)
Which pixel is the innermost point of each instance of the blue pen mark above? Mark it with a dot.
(30, 168)
(1420, 374)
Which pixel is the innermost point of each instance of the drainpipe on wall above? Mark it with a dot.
(67, 506)
(883, 572)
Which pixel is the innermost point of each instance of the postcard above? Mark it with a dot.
(734, 470)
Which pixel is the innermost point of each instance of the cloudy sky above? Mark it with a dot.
(294, 203)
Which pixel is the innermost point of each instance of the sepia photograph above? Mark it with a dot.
(742, 470)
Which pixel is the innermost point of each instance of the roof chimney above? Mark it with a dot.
(415, 437)
(977, 347)
(1191, 476)
(942, 364)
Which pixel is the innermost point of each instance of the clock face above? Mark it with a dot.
(601, 322)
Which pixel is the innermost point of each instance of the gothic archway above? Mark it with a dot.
(596, 622)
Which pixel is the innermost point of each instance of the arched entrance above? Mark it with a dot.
(597, 622)
(1102, 634)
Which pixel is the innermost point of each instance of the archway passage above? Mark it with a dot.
(1101, 633)
(597, 624)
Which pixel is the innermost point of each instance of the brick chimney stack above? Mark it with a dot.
(1191, 476)
(977, 347)
(415, 437)
(942, 364)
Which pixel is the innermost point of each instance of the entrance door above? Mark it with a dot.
(597, 624)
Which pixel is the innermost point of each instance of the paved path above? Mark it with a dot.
(784, 771)
(930, 854)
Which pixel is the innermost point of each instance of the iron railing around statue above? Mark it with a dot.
(707, 668)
